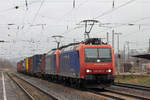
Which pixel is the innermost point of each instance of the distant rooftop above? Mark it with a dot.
(145, 56)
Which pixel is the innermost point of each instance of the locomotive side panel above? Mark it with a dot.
(36, 64)
(69, 64)
(50, 64)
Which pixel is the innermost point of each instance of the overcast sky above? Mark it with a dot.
(28, 29)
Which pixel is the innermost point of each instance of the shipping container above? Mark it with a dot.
(30, 65)
(26, 65)
(23, 66)
(19, 66)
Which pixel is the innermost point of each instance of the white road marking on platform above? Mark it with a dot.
(4, 89)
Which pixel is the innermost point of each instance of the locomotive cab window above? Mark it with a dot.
(93, 54)
(104, 53)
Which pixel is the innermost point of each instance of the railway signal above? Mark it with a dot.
(118, 34)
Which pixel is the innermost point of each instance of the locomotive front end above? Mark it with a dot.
(97, 64)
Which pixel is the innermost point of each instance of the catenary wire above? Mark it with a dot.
(111, 10)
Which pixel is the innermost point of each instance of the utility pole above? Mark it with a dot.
(128, 44)
(124, 58)
(118, 34)
(113, 38)
(128, 49)
(57, 39)
(2, 41)
(74, 40)
(149, 47)
(107, 38)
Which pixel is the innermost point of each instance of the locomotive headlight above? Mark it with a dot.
(109, 70)
(88, 70)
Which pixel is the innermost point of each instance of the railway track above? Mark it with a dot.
(138, 87)
(32, 91)
(99, 92)
(108, 92)
(21, 87)
(117, 95)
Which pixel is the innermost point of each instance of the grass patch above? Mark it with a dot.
(133, 79)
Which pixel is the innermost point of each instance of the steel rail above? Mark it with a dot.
(138, 87)
(105, 95)
(128, 95)
(97, 91)
(38, 88)
(23, 89)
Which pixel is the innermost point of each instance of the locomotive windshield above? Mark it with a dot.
(93, 54)
(104, 53)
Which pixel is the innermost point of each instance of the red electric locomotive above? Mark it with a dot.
(96, 64)
(89, 63)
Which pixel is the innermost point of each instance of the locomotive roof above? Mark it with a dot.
(71, 44)
(91, 41)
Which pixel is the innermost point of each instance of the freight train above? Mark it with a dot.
(85, 64)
